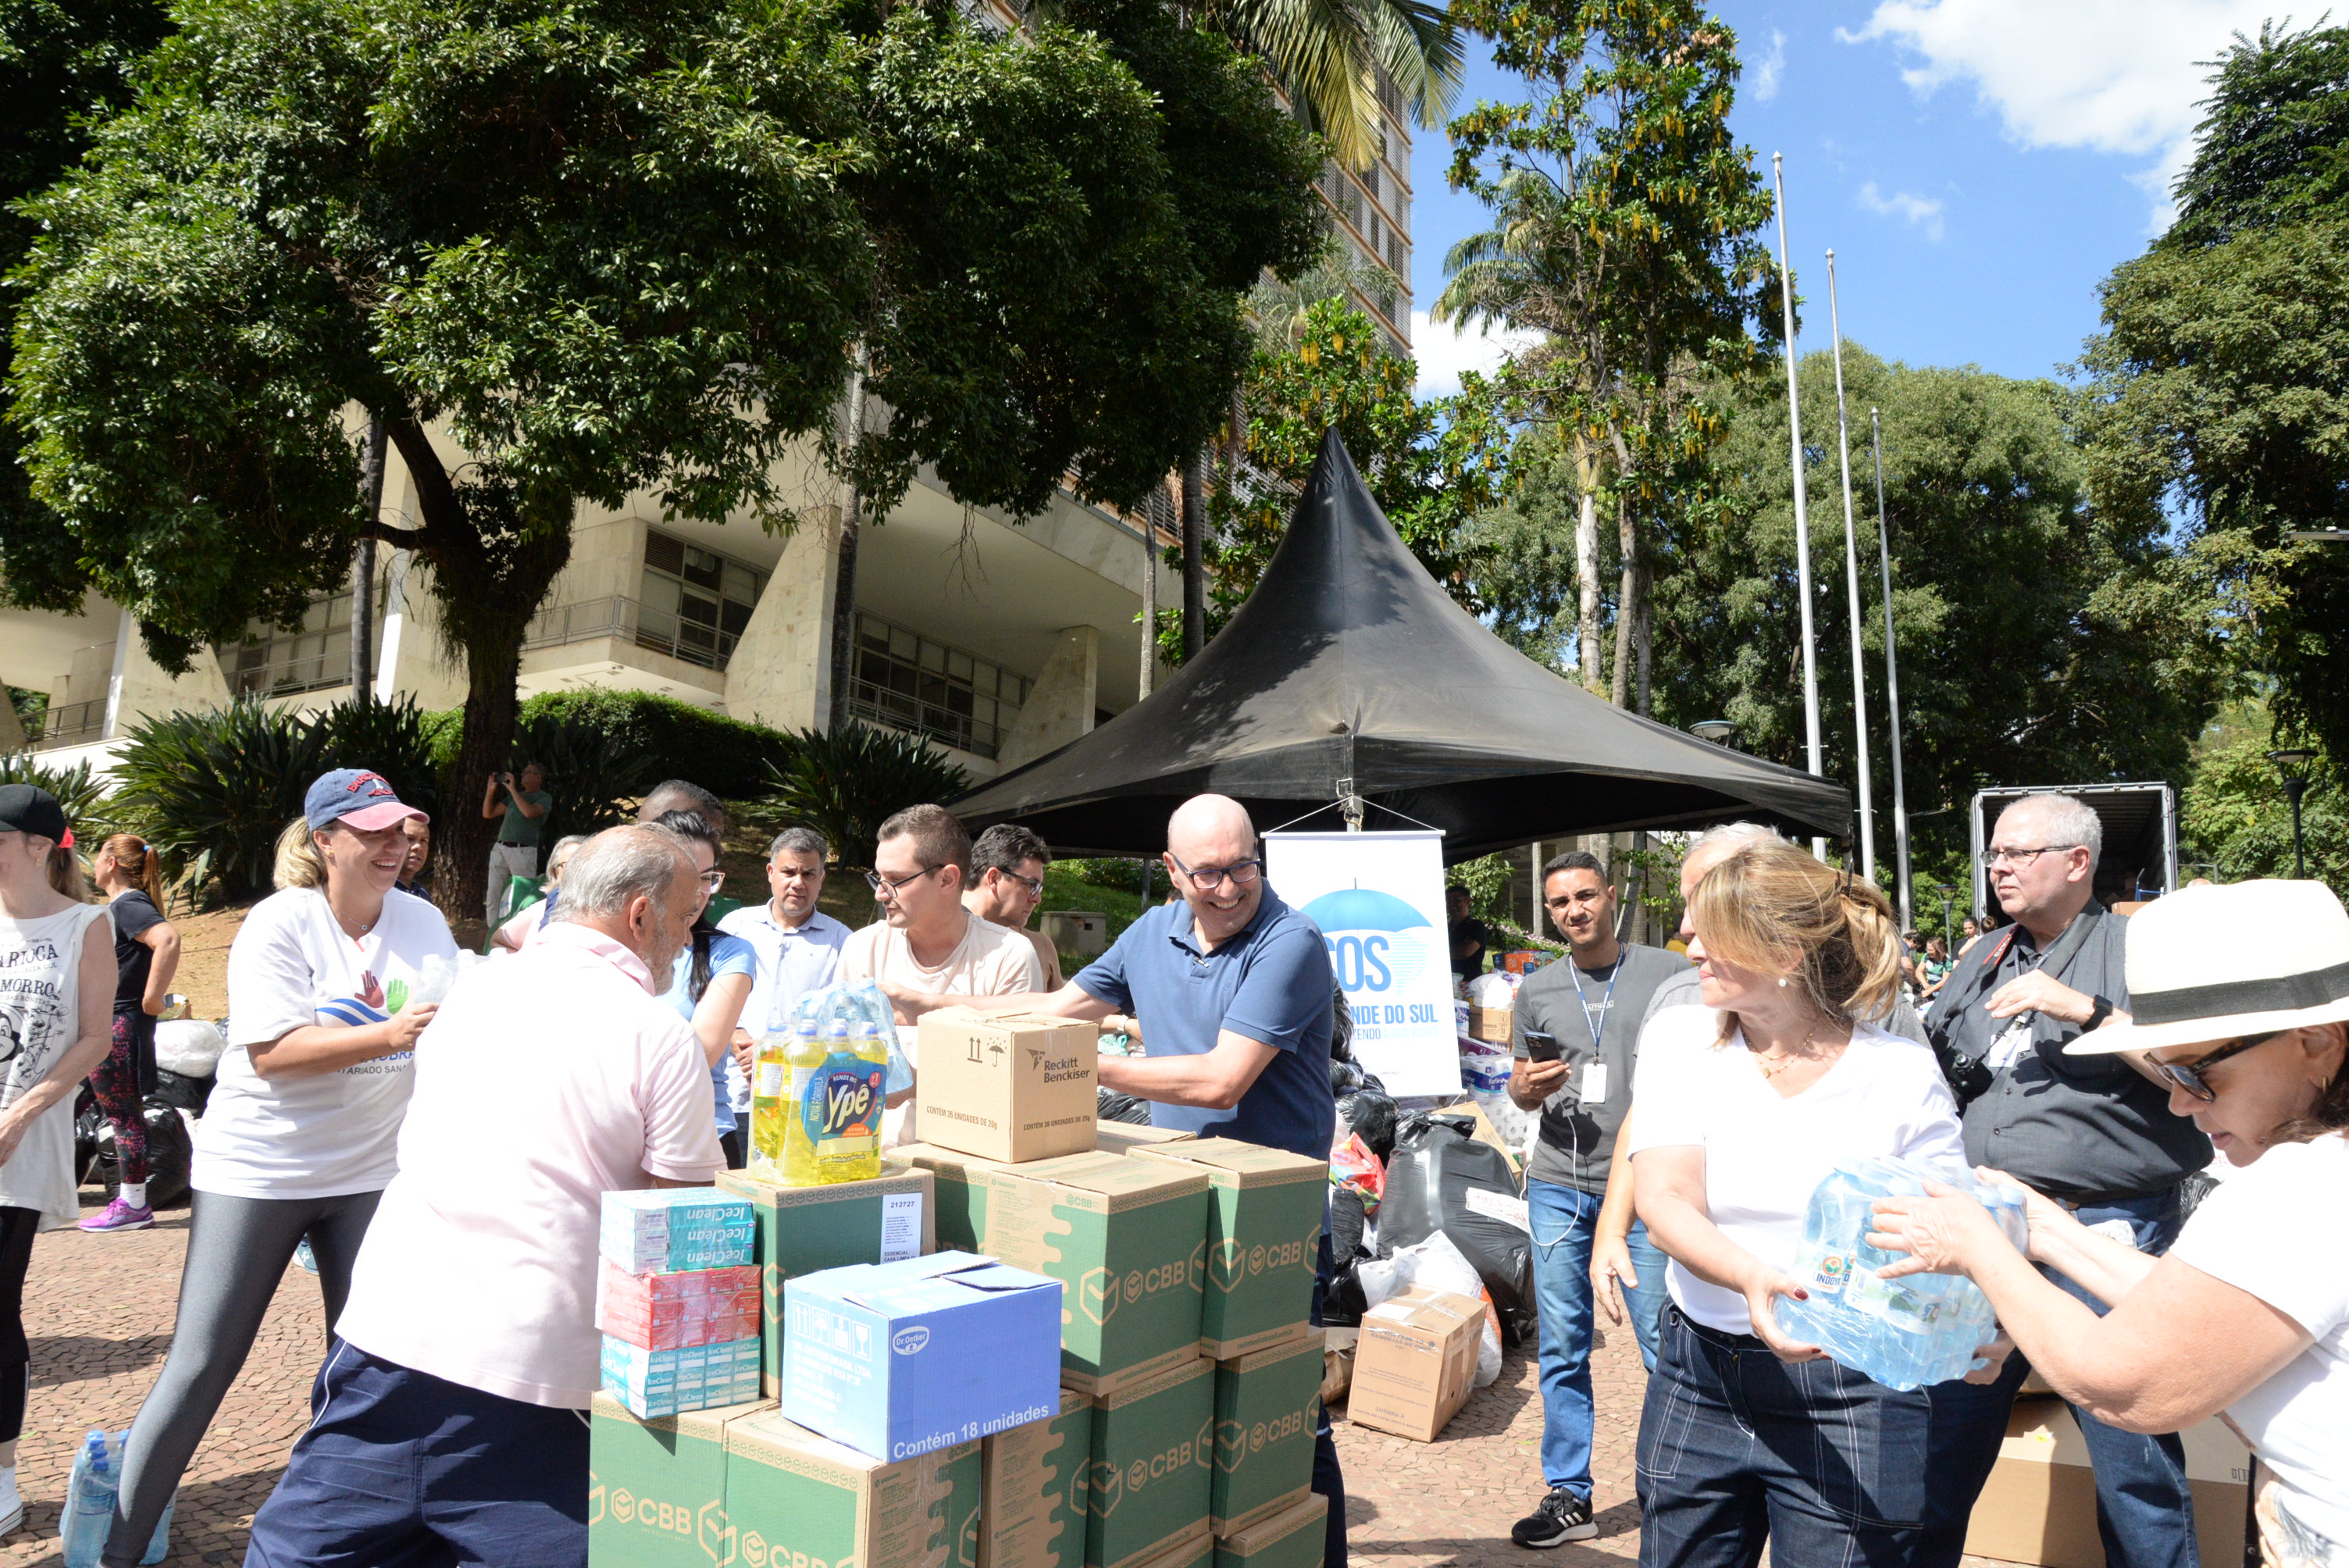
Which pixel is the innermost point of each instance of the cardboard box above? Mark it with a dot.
(896, 1359)
(805, 1230)
(1033, 1512)
(656, 1489)
(2039, 1505)
(1123, 1137)
(1416, 1363)
(667, 1229)
(795, 1499)
(1198, 1551)
(1008, 1086)
(1490, 1025)
(1264, 1239)
(1294, 1538)
(1153, 1466)
(1267, 1404)
(1129, 1238)
(1337, 1363)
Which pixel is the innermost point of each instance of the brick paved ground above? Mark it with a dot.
(98, 1309)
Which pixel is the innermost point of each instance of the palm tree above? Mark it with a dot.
(1328, 56)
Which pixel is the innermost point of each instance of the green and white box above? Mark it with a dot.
(1264, 1239)
(1034, 1510)
(1152, 1465)
(1294, 1538)
(656, 1490)
(794, 1500)
(800, 1229)
(961, 1188)
(1129, 1240)
(1267, 1405)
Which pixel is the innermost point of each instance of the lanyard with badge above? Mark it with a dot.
(1594, 1071)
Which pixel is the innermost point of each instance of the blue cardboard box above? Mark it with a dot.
(897, 1359)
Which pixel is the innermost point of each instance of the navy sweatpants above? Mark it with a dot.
(403, 1469)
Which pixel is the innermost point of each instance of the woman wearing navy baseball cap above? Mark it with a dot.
(299, 1138)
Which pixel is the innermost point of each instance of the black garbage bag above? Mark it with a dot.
(171, 1151)
(1436, 1163)
(1345, 1077)
(1342, 1304)
(1111, 1105)
(1370, 1111)
(182, 1092)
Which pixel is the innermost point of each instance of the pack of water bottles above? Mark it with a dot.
(1905, 1333)
(856, 1006)
(89, 1503)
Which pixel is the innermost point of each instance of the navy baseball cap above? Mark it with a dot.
(366, 800)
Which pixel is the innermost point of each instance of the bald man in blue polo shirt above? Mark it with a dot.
(1233, 991)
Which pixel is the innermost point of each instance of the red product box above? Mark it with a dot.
(670, 1311)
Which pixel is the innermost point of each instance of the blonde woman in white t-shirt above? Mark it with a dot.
(2240, 1005)
(299, 1138)
(1745, 1105)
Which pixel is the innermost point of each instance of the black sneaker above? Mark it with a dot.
(1561, 1517)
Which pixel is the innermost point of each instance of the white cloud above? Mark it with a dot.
(2106, 76)
(1443, 354)
(1918, 212)
(1766, 75)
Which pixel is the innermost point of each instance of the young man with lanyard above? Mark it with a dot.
(1590, 1006)
(2089, 1131)
(1233, 990)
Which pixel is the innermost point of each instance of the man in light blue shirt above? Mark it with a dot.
(798, 947)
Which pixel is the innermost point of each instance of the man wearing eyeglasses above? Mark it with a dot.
(926, 943)
(1008, 862)
(2091, 1131)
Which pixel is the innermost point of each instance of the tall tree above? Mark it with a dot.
(2221, 380)
(627, 253)
(1625, 217)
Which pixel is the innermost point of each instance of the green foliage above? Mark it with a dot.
(396, 739)
(593, 769)
(89, 809)
(1487, 880)
(2235, 815)
(734, 758)
(846, 783)
(2273, 145)
(210, 791)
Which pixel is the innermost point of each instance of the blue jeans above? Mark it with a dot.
(2145, 1510)
(1563, 1220)
(1737, 1448)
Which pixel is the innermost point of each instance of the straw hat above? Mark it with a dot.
(2213, 963)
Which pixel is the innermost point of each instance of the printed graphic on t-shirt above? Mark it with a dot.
(369, 1006)
(32, 1008)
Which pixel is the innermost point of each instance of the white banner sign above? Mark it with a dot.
(1378, 901)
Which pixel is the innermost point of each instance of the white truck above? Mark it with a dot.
(2140, 855)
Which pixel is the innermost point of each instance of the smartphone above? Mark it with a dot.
(1541, 1045)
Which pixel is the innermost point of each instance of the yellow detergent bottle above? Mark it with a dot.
(832, 1124)
(771, 1096)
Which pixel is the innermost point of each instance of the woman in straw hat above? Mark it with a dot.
(2241, 1008)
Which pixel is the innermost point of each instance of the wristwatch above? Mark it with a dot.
(2097, 1015)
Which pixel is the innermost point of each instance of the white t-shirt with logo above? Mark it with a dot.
(1765, 1153)
(2271, 1232)
(40, 1021)
(328, 1134)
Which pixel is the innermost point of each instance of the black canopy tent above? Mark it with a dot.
(1349, 662)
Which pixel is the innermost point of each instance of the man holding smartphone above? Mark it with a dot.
(1574, 1026)
(519, 807)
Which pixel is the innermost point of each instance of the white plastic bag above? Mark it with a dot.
(191, 1048)
(1495, 991)
(1438, 1264)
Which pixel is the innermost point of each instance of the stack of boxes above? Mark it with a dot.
(676, 1299)
(1110, 1368)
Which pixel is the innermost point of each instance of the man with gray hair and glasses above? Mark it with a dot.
(2091, 1132)
(798, 948)
(449, 1422)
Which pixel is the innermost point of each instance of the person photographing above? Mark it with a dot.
(519, 807)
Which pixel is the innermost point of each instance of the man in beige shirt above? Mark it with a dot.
(925, 941)
(1009, 861)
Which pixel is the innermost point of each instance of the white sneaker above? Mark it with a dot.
(11, 1506)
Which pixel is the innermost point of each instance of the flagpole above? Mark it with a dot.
(1852, 593)
(1891, 668)
(1802, 507)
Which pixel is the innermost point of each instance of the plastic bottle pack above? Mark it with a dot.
(1905, 1333)
(89, 1503)
(819, 1081)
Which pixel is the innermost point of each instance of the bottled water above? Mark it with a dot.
(89, 1504)
(1904, 1333)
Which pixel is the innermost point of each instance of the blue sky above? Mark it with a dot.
(1978, 165)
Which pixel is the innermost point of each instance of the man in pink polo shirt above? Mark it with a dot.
(450, 1419)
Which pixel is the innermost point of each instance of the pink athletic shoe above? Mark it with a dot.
(119, 1215)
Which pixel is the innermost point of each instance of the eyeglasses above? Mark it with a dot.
(884, 888)
(713, 880)
(2021, 857)
(1035, 885)
(2187, 1075)
(1208, 879)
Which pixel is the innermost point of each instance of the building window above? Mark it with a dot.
(274, 662)
(694, 604)
(909, 682)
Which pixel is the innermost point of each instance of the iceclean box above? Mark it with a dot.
(897, 1359)
(673, 1228)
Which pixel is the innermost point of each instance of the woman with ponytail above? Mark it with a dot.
(1747, 1104)
(146, 956)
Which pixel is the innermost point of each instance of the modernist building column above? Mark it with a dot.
(1061, 705)
(780, 671)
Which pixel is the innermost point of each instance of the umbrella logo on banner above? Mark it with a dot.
(1377, 941)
